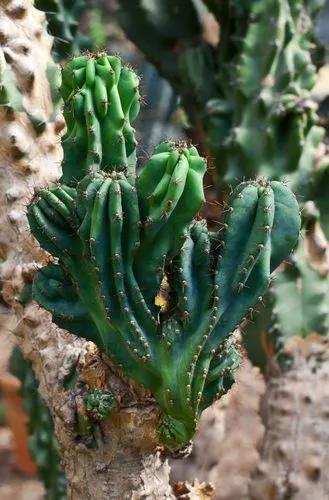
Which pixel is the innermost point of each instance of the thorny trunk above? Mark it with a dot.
(115, 459)
(296, 443)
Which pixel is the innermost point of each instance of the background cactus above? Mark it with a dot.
(43, 444)
(63, 18)
(121, 238)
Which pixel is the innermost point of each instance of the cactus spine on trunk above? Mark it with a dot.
(117, 239)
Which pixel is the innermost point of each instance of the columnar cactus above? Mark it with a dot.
(117, 240)
(29, 157)
(101, 101)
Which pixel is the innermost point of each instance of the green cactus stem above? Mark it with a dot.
(117, 239)
(101, 101)
(305, 291)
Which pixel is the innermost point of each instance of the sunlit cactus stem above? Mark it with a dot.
(118, 239)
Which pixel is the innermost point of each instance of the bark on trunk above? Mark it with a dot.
(295, 450)
(117, 458)
(29, 157)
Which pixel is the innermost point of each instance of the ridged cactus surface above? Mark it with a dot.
(101, 102)
(118, 241)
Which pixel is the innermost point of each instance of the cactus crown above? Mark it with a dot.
(118, 239)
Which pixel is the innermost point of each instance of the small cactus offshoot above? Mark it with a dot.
(118, 239)
(98, 404)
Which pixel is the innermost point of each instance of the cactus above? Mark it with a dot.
(43, 445)
(161, 22)
(63, 18)
(252, 92)
(262, 100)
(29, 157)
(295, 414)
(116, 239)
(305, 291)
(300, 288)
(98, 404)
(101, 101)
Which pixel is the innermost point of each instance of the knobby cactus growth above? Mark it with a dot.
(116, 239)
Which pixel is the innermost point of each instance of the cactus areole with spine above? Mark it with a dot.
(116, 238)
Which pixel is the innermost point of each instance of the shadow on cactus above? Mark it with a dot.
(117, 239)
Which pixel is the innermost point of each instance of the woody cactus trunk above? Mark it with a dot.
(117, 241)
(30, 156)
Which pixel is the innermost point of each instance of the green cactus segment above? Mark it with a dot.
(156, 27)
(170, 194)
(267, 86)
(43, 445)
(118, 239)
(304, 291)
(63, 18)
(98, 404)
(101, 101)
(189, 358)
